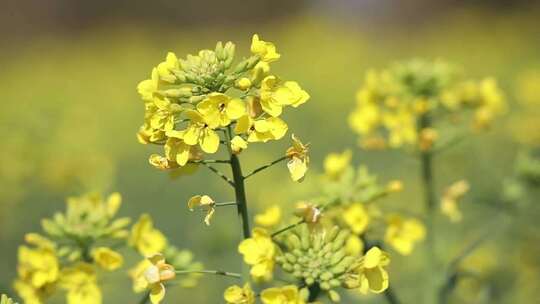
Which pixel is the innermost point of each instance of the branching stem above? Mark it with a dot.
(266, 166)
(214, 272)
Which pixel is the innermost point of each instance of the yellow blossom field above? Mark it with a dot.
(270, 152)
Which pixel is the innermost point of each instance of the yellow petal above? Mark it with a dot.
(297, 168)
(377, 278)
(235, 108)
(157, 293)
(209, 141)
(373, 257)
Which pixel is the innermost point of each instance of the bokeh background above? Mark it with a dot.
(70, 110)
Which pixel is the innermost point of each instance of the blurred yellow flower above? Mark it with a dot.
(394, 186)
(282, 295)
(450, 198)
(243, 83)
(336, 163)
(269, 217)
(354, 246)
(153, 277)
(222, 106)
(356, 217)
(107, 258)
(402, 234)
(427, 138)
(80, 281)
(238, 295)
(370, 274)
(145, 238)
(261, 130)
(276, 94)
(259, 251)
(204, 202)
(38, 266)
(265, 50)
(298, 159)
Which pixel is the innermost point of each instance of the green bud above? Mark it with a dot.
(336, 258)
(51, 228)
(287, 267)
(332, 234)
(304, 294)
(325, 285)
(293, 241)
(327, 276)
(290, 257)
(334, 296)
(335, 283)
(310, 281)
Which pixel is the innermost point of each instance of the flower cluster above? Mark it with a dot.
(75, 247)
(195, 104)
(392, 103)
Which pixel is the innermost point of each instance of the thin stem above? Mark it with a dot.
(210, 161)
(214, 272)
(220, 174)
(291, 226)
(390, 296)
(225, 204)
(266, 166)
(426, 163)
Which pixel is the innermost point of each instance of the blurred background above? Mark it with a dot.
(70, 110)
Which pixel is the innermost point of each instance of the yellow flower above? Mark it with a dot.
(145, 238)
(427, 138)
(356, 217)
(450, 198)
(80, 281)
(238, 295)
(336, 163)
(161, 162)
(166, 67)
(204, 202)
(153, 277)
(365, 118)
(402, 128)
(259, 251)
(32, 295)
(370, 274)
(177, 150)
(38, 266)
(265, 50)
(147, 88)
(238, 144)
(394, 186)
(269, 218)
(261, 130)
(107, 258)
(276, 94)
(201, 131)
(402, 234)
(223, 107)
(298, 159)
(492, 102)
(284, 295)
(148, 134)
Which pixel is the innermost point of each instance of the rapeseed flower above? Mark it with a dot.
(402, 234)
(239, 295)
(259, 251)
(145, 238)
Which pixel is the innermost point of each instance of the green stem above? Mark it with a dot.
(428, 185)
(266, 166)
(214, 272)
(240, 194)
